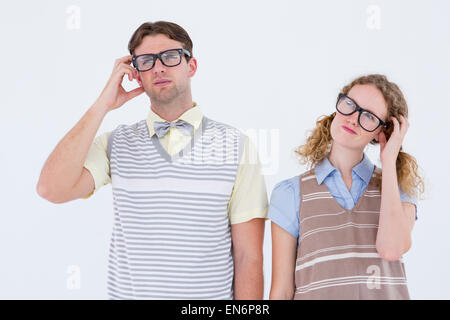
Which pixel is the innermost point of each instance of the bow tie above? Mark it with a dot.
(162, 127)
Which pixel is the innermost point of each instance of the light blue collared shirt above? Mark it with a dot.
(285, 199)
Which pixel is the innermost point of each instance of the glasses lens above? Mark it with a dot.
(145, 62)
(346, 106)
(369, 121)
(171, 58)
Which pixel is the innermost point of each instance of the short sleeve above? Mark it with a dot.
(406, 198)
(97, 162)
(249, 196)
(284, 205)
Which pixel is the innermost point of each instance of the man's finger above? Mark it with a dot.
(124, 69)
(125, 59)
(134, 93)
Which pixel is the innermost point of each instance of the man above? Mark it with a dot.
(189, 202)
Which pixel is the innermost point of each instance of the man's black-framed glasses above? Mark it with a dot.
(366, 119)
(169, 58)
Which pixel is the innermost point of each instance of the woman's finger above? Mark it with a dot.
(396, 125)
(404, 125)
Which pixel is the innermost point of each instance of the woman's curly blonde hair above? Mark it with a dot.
(318, 143)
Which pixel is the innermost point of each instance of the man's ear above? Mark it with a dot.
(138, 78)
(192, 65)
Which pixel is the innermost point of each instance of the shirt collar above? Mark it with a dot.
(363, 169)
(323, 170)
(193, 116)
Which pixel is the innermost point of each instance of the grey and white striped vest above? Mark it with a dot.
(171, 236)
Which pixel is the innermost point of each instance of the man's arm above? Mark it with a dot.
(63, 169)
(248, 240)
(63, 177)
(248, 210)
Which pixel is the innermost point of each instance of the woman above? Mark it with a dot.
(340, 229)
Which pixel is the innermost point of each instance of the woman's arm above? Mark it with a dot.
(284, 254)
(396, 218)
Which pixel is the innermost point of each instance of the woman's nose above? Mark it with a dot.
(353, 119)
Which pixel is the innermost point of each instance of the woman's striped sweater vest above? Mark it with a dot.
(336, 254)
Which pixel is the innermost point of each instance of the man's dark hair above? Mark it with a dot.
(170, 29)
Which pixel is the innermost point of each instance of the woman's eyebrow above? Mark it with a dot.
(364, 107)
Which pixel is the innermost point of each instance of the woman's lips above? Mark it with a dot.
(348, 130)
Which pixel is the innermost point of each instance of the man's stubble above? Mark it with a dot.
(164, 96)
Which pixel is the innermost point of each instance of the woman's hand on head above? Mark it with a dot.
(389, 149)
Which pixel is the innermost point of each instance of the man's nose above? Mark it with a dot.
(159, 67)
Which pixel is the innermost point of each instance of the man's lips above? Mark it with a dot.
(161, 82)
(348, 130)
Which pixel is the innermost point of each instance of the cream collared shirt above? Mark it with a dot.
(249, 196)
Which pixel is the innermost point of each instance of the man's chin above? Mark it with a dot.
(162, 97)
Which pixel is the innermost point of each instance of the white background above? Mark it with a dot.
(270, 66)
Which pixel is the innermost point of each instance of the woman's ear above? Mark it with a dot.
(376, 138)
(381, 137)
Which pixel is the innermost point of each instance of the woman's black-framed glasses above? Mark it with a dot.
(366, 119)
(169, 58)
